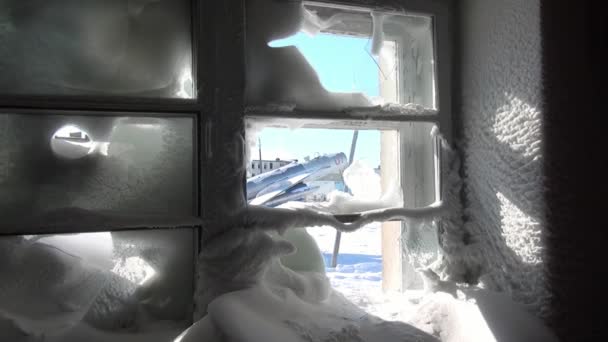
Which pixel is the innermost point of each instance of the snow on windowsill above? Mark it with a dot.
(377, 110)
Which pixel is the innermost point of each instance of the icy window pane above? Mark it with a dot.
(75, 287)
(322, 57)
(315, 164)
(96, 47)
(123, 165)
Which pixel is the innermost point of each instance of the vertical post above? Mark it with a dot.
(334, 257)
(260, 153)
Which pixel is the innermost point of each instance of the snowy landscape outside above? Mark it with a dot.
(358, 274)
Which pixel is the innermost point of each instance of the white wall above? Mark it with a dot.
(500, 113)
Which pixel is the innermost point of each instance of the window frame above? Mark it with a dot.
(114, 106)
(440, 11)
(218, 30)
(200, 108)
(218, 66)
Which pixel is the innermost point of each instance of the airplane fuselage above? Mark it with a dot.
(290, 180)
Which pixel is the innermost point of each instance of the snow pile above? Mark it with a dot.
(46, 292)
(358, 274)
(252, 296)
(479, 315)
(119, 286)
(449, 311)
(364, 183)
(362, 180)
(276, 314)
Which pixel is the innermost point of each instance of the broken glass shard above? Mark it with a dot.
(329, 57)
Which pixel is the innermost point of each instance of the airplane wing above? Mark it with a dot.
(278, 189)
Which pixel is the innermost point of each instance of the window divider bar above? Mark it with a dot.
(341, 116)
(99, 104)
(99, 113)
(97, 223)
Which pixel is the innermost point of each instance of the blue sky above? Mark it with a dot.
(357, 73)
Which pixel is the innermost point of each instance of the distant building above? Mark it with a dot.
(257, 167)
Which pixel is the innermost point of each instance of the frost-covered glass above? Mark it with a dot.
(123, 165)
(326, 57)
(96, 47)
(99, 286)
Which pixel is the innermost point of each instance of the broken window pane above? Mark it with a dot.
(97, 47)
(77, 286)
(125, 165)
(326, 57)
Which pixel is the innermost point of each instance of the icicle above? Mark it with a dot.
(378, 34)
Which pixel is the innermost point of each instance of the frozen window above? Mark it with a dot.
(123, 165)
(347, 167)
(327, 81)
(329, 57)
(114, 282)
(104, 140)
(112, 169)
(123, 47)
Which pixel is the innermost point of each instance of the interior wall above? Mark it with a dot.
(500, 120)
(575, 51)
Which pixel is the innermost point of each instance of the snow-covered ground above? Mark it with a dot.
(358, 273)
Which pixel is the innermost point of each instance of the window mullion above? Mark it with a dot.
(221, 89)
(92, 103)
